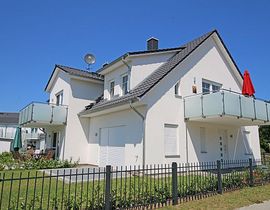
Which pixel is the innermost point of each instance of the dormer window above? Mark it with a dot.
(112, 83)
(124, 84)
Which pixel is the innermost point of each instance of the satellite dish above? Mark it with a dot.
(89, 59)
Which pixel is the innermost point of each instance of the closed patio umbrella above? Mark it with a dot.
(17, 141)
(248, 88)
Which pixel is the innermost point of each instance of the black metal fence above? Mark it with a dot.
(151, 186)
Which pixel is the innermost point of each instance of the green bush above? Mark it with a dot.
(7, 162)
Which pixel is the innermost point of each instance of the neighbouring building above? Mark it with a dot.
(156, 106)
(9, 121)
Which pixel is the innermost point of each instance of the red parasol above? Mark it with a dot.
(248, 88)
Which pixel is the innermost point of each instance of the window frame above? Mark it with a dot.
(176, 88)
(122, 84)
(211, 84)
(203, 140)
(111, 89)
(177, 152)
(59, 98)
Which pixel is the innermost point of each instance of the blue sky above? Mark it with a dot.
(36, 35)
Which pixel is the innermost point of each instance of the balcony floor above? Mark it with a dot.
(228, 120)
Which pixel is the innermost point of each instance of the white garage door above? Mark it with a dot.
(112, 146)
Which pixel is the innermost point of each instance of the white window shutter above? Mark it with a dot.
(170, 140)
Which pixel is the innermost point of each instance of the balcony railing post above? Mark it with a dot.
(254, 107)
(240, 102)
(202, 105)
(223, 102)
(52, 114)
(266, 106)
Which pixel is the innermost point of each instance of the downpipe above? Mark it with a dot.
(143, 127)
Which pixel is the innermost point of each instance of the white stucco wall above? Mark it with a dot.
(165, 108)
(141, 67)
(82, 94)
(77, 94)
(132, 135)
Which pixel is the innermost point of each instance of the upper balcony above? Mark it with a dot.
(41, 115)
(226, 107)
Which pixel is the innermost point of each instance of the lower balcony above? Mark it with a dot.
(226, 107)
(41, 115)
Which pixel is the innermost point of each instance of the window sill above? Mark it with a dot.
(248, 154)
(178, 96)
(172, 156)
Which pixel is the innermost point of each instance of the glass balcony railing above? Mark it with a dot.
(37, 114)
(226, 103)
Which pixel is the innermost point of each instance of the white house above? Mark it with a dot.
(156, 106)
(9, 121)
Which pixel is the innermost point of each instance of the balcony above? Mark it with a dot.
(7, 133)
(43, 115)
(226, 107)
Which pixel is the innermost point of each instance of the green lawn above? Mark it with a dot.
(229, 200)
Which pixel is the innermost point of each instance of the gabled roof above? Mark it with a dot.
(76, 72)
(9, 118)
(149, 82)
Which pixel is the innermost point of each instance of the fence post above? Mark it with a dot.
(219, 177)
(108, 188)
(174, 184)
(251, 178)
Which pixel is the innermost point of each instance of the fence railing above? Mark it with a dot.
(126, 187)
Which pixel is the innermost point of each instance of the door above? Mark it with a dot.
(55, 145)
(112, 146)
(223, 144)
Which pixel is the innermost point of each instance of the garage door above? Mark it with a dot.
(112, 146)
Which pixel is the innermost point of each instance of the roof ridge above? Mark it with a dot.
(63, 66)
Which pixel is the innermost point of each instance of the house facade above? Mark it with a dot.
(9, 121)
(152, 107)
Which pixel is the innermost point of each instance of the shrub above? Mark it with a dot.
(7, 162)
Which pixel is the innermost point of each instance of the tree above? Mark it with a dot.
(264, 133)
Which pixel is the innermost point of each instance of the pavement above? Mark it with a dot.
(260, 206)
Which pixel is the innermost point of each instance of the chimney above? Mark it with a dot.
(152, 44)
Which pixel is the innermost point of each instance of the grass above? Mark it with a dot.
(229, 200)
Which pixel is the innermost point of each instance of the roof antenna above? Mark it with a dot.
(89, 59)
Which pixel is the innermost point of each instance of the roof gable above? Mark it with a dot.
(74, 72)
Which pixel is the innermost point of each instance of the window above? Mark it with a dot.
(33, 130)
(59, 98)
(125, 84)
(203, 140)
(170, 140)
(247, 142)
(208, 86)
(205, 87)
(215, 88)
(112, 89)
(176, 89)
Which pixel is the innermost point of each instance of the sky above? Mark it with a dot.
(36, 35)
